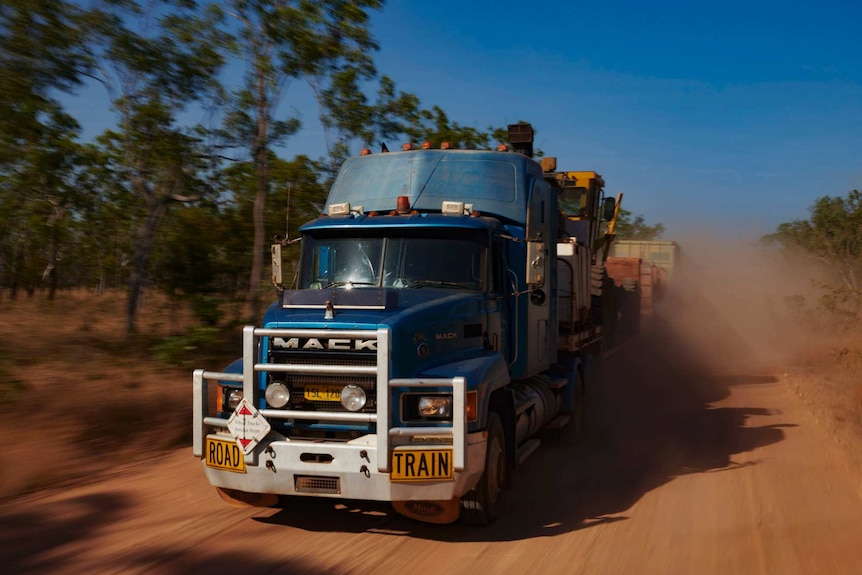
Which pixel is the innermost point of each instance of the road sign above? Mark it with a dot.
(248, 426)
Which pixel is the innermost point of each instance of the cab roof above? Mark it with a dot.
(495, 183)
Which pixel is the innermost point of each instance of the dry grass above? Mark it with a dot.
(829, 380)
(78, 396)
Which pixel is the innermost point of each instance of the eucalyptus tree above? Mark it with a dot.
(157, 60)
(283, 41)
(832, 236)
(634, 227)
(41, 55)
(397, 113)
(103, 245)
(349, 116)
(296, 195)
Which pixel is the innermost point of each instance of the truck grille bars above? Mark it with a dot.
(362, 371)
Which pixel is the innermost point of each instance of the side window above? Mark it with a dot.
(498, 269)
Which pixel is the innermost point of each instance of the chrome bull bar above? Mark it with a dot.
(251, 335)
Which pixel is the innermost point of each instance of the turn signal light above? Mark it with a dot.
(471, 406)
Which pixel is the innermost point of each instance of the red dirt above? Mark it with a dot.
(705, 454)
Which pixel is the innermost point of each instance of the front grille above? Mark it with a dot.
(324, 358)
(298, 382)
(316, 484)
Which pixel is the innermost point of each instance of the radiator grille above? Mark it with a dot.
(316, 484)
(325, 358)
(298, 382)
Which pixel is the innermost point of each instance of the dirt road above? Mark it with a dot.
(682, 472)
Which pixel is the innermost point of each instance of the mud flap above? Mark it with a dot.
(429, 511)
(242, 499)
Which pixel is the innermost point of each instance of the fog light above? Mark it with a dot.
(435, 406)
(234, 396)
(277, 395)
(353, 397)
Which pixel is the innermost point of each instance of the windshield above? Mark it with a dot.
(409, 261)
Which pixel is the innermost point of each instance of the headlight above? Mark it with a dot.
(234, 396)
(277, 395)
(435, 406)
(353, 397)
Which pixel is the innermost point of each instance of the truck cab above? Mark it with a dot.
(417, 354)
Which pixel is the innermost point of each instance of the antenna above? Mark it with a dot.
(287, 214)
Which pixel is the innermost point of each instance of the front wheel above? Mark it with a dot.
(578, 423)
(481, 505)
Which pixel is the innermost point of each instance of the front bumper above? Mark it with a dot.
(356, 469)
(350, 471)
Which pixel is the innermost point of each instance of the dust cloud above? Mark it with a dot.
(732, 302)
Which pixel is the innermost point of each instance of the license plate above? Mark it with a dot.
(323, 392)
(224, 454)
(421, 465)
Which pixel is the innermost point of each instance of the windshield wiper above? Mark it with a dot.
(436, 283)
(347, 283)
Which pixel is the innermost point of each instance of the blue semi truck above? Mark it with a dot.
(449, 306)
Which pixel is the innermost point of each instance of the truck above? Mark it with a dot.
(641, 270)
(444, 320)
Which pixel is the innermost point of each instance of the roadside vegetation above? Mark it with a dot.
(127, 260)
(826, 372)
(80, 398)
(157, 202)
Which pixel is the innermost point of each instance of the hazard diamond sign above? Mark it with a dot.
(248, 426)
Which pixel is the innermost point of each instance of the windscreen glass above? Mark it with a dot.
(411, 261)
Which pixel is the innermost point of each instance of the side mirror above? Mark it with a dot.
(276, 266)
(609, 206)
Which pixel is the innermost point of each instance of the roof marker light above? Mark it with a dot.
(403, 205)
(452, 208)
(407, 147)
(365, 152)
(457, 208)
(339, 209)
(446, 146)
(426, 145)
(502, 148)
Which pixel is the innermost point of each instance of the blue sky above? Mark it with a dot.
(731, 116)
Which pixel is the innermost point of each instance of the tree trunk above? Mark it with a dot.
(261, 168)
(145, 237)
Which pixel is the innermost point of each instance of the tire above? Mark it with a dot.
(597, 286)
(481, 505)
(578, 425)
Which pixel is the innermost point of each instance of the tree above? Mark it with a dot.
(832, 236)
(155, 63)
(40, 55)
(285, 40)
(295, 196)
(634, 227)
